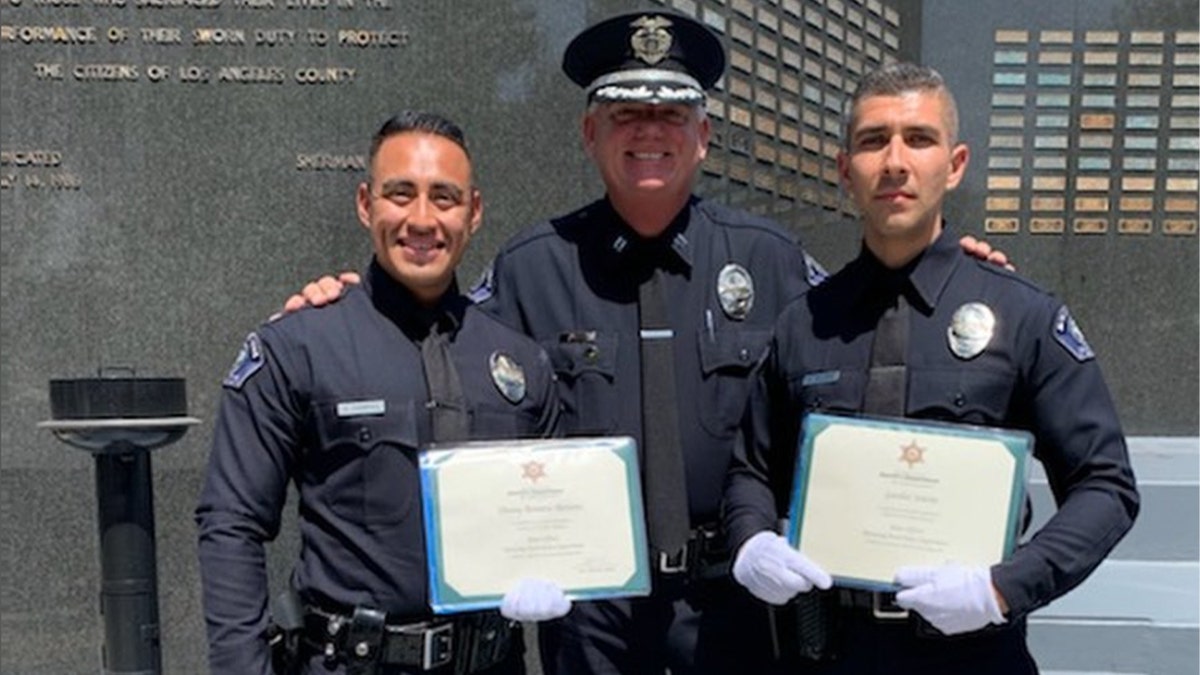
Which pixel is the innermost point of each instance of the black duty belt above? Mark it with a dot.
(704, 556)
(472, 642)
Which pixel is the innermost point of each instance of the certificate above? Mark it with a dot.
(567, 510)
(872, 494)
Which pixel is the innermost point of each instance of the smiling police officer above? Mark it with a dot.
(339, 401)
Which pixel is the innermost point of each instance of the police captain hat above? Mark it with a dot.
(645, 57)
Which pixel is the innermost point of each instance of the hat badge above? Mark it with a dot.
(735, 288)
(971, 329)
(508, 376)
(651, 41)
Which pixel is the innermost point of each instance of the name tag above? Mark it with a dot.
(360, 408)
(823, 377)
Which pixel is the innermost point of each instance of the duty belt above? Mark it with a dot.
(704, 556)
(366, 636)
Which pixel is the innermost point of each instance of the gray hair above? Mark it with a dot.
(895, 79)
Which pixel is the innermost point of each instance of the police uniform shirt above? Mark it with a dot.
(335, 400)
(572, 284)
(1036, 372)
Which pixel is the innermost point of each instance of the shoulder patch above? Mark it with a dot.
(249, 361)
(814, 271)
(483, 288)
(1067, 334)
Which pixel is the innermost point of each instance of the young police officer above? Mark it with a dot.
(339, 401)
(968, 342)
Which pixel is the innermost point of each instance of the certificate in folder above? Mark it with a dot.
(567, 510)
(873, 494)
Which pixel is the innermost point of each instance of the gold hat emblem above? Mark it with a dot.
(651, 41)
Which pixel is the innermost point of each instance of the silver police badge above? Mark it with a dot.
(508, 376)
(970, 330)
(735, 288)
(651, 41)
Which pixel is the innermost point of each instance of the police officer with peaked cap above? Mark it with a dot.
(913, 328)
(579, 284)
(339, 401)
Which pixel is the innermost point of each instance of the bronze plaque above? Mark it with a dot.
(1090, 204)
(1004, 182)
(1137, 203)
(1137, 184)
(1003, 203)
(1135, 226)
(1179, 227)
(1096, 121)
(1049, 204)
(1093, 183)
(1183, 185)
(1049, 182)
(1001, 225)
(1090, 226)
(1181, 204)
(1046, 226)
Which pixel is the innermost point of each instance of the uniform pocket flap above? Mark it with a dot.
(365, 423)
(573, 354)
(735, 350)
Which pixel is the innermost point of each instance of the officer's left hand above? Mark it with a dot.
(979, 248)
(955, 599)
(534, 600)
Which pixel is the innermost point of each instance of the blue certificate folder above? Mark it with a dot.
(567, 510)
(871, 494)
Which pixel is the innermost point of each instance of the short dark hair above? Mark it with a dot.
(899, 78)
(419, 121)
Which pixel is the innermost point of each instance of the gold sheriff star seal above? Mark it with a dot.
(533, 470)
(912, 454)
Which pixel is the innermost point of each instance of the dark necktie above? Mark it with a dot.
(886, 383)
(666, 491)
(447, 407)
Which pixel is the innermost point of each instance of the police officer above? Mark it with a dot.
(339, 401)
(969, 343)
(651, 285)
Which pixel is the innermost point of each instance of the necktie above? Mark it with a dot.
(886, 383)
(447, 407)
(666, 491)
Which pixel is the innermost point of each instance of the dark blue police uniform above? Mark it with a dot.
(336, 400)
(1036, 373)
(572, 285)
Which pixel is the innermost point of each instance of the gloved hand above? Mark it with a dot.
(955, 599)
(773, 571)
(534, 600)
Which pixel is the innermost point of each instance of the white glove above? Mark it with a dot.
(773, 571)
(534, 600)
(955, 599)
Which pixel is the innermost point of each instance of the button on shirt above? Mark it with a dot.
(1025, 378)
(337, 402)
(572, 284)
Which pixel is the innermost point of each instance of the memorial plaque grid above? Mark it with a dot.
(1099, 128)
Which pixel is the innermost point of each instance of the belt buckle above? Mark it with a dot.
(438, 646)
(887, 612)
(674, 564)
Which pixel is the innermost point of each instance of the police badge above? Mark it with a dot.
(735, 288)
(508, 376)
(970, 330)
(651, 41)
